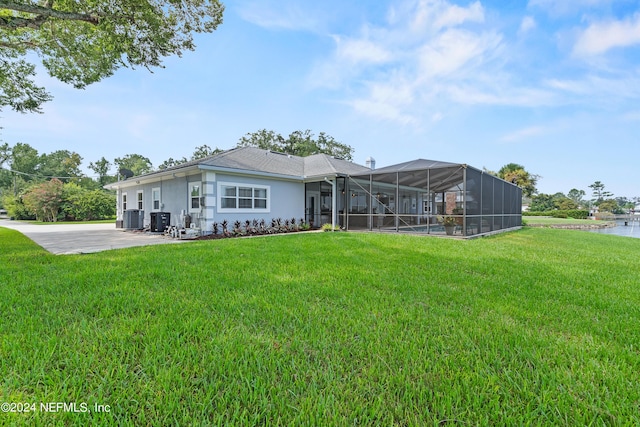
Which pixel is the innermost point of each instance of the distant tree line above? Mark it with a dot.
(575, 199)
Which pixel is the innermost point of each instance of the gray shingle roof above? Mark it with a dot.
(323, 164)
(258, 160)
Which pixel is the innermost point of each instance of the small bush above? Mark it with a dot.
(256, 228)
(570, 213)
(16, 209)
(329, 227)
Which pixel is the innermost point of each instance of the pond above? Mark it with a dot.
(630, 230)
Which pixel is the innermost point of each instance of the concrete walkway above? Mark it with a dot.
(72, 238)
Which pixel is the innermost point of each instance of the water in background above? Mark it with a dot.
(631, 230)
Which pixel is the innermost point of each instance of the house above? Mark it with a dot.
(239, 184)
(248, 183)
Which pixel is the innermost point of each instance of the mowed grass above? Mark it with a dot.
(549, 221)
(535, 327)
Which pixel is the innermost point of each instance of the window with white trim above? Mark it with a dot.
(155, 199)
(139, 197)
(243, 197)
(195, 192)
(124, 202)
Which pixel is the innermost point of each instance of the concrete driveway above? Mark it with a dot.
(72, 238)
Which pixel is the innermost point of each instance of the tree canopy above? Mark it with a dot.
(136, 163)
(83, 42)
(599, 194)
(517, 174)
(298, 143)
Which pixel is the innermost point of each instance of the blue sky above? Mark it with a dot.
(553, 85)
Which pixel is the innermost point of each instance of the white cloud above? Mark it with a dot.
(600, 37)
(360, 51)
(597, 88)
(506, 95)
(387, 100)
(438, 14)
(397, 71)
(528, 23)
(454, 49)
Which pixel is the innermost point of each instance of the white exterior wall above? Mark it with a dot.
(286, 199)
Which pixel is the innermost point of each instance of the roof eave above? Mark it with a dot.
(150, 178)
(250, 172)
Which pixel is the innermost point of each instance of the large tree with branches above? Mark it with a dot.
(82, 42)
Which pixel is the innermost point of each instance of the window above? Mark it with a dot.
(140, 199)
(242, 197)
(195, 192)
(124, 202)
(155, 197)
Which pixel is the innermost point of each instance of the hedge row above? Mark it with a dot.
(572, 213)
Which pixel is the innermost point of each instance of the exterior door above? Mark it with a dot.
(312, 208)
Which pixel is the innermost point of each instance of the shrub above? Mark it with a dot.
(570, 213)
(45, 200)
(16, 209)
(329, 227)
(255, 227)
(89, 205)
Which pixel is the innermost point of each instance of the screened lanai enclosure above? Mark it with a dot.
(423, 196)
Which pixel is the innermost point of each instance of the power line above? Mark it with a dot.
(50, 177)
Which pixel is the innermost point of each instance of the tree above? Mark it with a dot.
(170, 162)
(542, 203)
(598, 192)
(61, 164)
(609, 205)
(17, 89)
(136, 163)
(83, 42)
(101, 168)
(576, 195)
(24, 158)
(299, 143)
(5, 153)
(204, 151)
(517, 174)
(200, 152)
(5, 175)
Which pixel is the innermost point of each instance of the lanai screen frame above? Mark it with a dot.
(415, 196)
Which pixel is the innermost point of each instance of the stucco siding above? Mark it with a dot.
(285, 199)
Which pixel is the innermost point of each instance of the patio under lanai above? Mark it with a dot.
(427, 196)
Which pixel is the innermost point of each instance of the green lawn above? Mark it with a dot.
(535, 327)
(549, 221)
